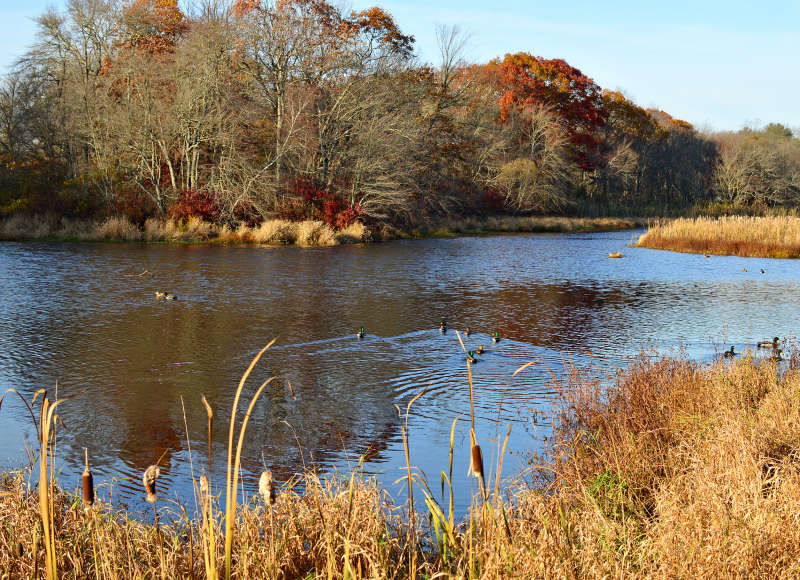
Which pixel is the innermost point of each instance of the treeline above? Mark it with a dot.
(300, 110)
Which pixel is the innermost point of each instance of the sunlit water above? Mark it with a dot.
(84, 316)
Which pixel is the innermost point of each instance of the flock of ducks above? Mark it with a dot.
(443, 328)
(765, 344)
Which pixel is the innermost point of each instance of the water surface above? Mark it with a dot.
(84, 317)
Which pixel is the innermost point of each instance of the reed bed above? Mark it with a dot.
(270, 232)
(283, 232)
(747, 236)
(675, 470)
(531, 224)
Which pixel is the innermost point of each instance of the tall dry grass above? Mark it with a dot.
(530, 224)
(675, 470)
(271, 232)
(762, 237)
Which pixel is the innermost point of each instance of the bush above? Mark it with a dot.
(195, 203)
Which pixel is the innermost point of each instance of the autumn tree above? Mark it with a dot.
(526, 81)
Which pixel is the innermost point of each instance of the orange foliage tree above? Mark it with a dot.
(525, 80)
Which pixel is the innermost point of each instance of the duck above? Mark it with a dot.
(467, 331)
(769, 343)
(706, 255)
(165, 296)
(744, 269)
(495, 336)
(762, 271)
(471, 357)
(776, 354)
(360, 333)
(479, 350)
(615, 255)
(443, 326)
(729, 353)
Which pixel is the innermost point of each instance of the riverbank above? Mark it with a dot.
(283, 232)
(745, 236)
(675, 470)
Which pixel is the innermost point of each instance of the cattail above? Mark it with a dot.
(88, 483)
(266, 488)
(203, 485)
(17, 549)
(149, 482)
(475, 459)
(210, 414)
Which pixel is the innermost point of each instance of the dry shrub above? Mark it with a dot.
(198, 229)
(682, 471)
(314, 233)
(355, 233)
(20, 227)
(117, 228)
(762, 237)
(275, 232)
(154, 230)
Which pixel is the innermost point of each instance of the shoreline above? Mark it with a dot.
(284, 233)
(688, 470)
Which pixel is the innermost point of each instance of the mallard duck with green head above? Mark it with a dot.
(471, 357)
(495, 336)
(729, 353)
(360, 333)
(769, 343)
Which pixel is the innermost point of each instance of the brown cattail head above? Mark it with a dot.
(88, 488)
(88, 484)
(149, 482)
(475, 458)
(266, 487)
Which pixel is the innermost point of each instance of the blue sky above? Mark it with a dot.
(713, 63)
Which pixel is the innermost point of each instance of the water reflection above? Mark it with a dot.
(85, 316)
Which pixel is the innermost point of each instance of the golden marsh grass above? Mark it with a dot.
(761, 237)
(270, 232)
(675, 470)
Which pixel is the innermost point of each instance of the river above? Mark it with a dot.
(85, 317)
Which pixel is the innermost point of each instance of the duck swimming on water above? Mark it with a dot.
(495, 336)
(769, 343)
(443, 326)
(165, 295)
(467, 331)
(471, 357)
(360, 333)
(479, 350)
(729, 353)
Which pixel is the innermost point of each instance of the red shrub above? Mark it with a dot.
(245, 212)
(493, 200)
(310, 200)
(195, 203)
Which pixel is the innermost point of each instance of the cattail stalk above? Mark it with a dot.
(88, 483)
(210, 414)
(149, 481)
